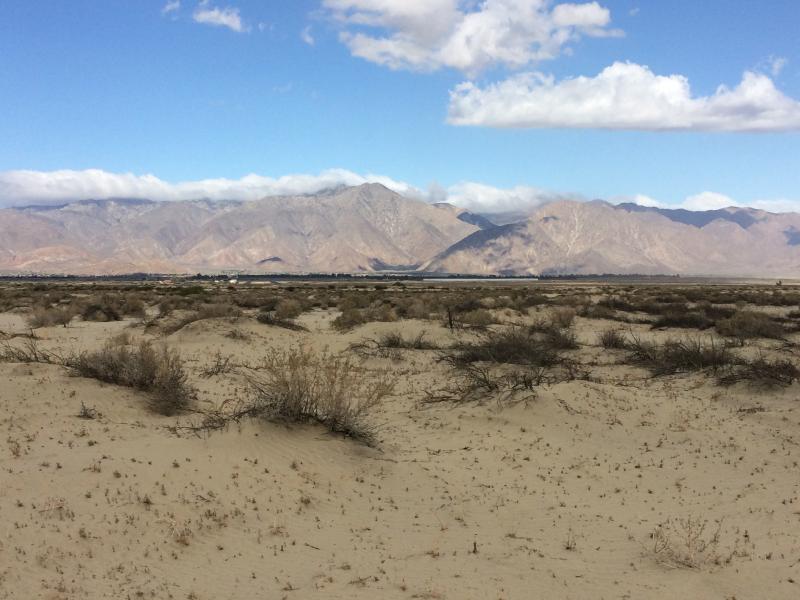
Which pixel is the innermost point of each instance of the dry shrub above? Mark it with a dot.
(302, 386)
(29, 352)
(612, 339)
(477, 318)
(50, 317)
(598, 311)
(207, 311)
(352, 317)
(288, 309)
(112, 307)
(762, 372)
(157, 371)
(512, 345)
(271, 318)
(562, 317)
(676, 356)
(688, 320)
(477, 382)
(689, 544)
(395, 339)
(748, 324)
(389, 344)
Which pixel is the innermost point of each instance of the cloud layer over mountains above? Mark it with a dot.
(28, 187)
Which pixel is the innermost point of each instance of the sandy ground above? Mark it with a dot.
(553, 498)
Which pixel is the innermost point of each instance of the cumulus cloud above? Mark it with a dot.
(624, 96)
(220, 17)
(54, 187)
(426, 35)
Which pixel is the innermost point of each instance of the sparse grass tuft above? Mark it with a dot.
(612, 339)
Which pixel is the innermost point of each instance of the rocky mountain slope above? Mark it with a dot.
(597, 237)
(346, 230)
(370, 228)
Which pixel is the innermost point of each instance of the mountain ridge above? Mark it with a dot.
(370, 228)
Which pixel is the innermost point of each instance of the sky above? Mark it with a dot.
(490, 104)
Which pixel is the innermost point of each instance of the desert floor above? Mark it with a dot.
(554, 497)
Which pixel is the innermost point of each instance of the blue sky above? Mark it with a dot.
(217, 90)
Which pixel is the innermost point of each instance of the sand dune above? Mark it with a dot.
(552, 498)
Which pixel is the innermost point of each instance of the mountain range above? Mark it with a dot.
(370, 228)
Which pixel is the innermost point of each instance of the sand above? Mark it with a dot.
(556, 497)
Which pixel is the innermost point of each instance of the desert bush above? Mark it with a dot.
(747, 324)
(157, 371)
(270, 318)
(598, 311)
(524, 301)
(612, 339)
(133, 306)
(387, 345)
(207, 311)
(475, 383)
(762, 372)
(715, 312)
(353, 317)
(288, 309)
(556, 338)
(50, 317)
(28, 352)
(684, 543)
(688, 543)
(221, 365)
(688, 320)
(572, 300)
(477, 318)
(395, 339)
(102, 308)
(512, 345)
(302, 386)
(678, 356)
(563, 317)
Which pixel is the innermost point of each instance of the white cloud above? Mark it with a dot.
(25, 187)
(171, 6)
(714, 201)
(477, 197)
(221, 17)
(624, 96)
(54, 187)
(707, 201)
(643, 200)
(307, 37)
(467, 35)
